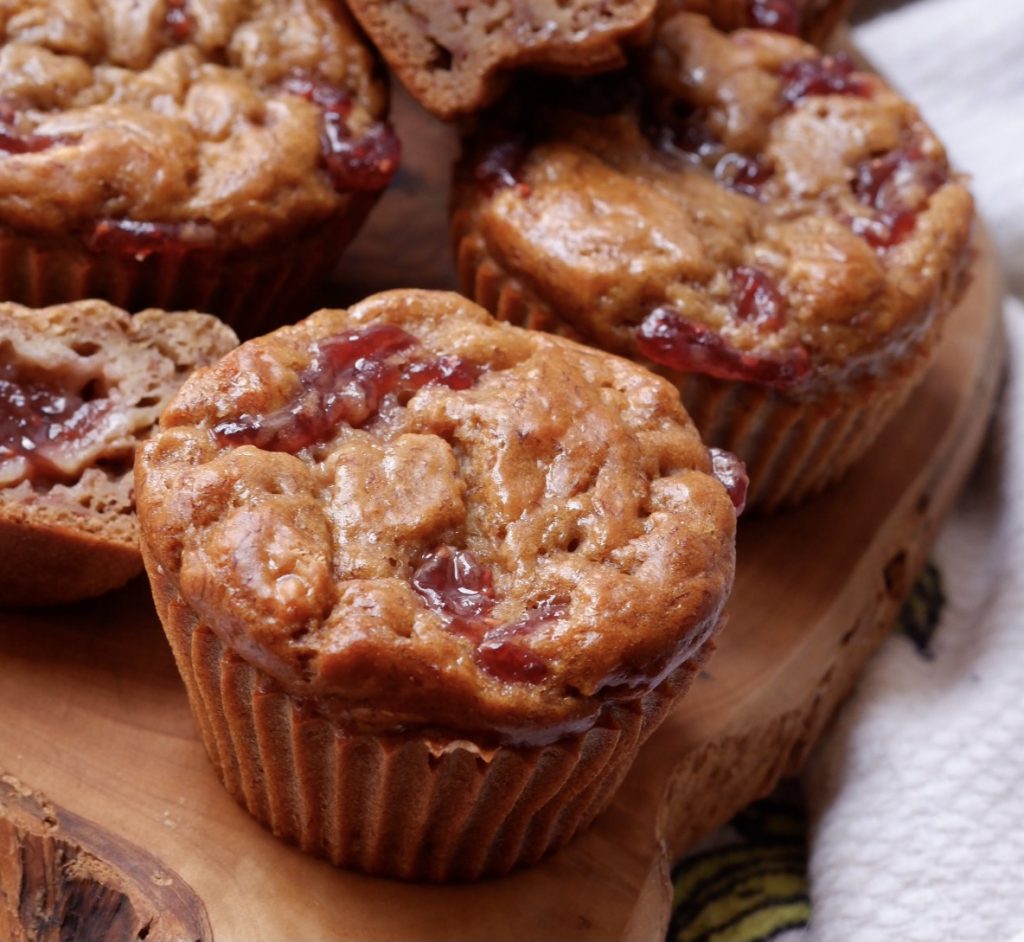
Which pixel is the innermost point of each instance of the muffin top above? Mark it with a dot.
(423, 518)
(813, 19)
(746, 207)
(134, 123)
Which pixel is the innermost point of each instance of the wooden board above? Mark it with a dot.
(95, 716)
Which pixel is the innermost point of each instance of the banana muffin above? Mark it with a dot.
(773, 229)
(814, 20)
(455, 56)
(430, 580)
(80, 386)
(209, 154)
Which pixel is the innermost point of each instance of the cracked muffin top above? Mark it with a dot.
(423, 518)
(815, 20)
(455, 55)
(130, 122)
(746, 207)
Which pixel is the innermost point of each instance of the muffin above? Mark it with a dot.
(430, 580)
(774, 230)
(814, 20)
(80, 385)
(182, 154)
(455, 56)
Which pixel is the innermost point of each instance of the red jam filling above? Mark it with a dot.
(13, 141)
(346, 382)
(897, 186)
(822, 75)
(781, 16)
(500, 165)
(179, 20)
(732, 474)
(365, 164)
(142, 239)
(453, 583)
(511, 662)
(35, 417)
(756, 297)
(450, 371)
(667, 338)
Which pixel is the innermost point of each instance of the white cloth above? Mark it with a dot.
(916, 795)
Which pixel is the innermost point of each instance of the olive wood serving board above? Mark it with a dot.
(94, 714)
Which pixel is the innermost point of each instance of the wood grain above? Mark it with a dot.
(95, 714)
(63, 879)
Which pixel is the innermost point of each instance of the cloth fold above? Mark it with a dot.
(915, 797)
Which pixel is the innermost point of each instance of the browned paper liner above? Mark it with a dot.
(792, 449)
(406, 805)
(253, 291)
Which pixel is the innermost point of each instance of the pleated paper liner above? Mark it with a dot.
(253, 291)
(406, 805)
(792, 449)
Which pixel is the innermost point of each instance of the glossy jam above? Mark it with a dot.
(179, 21)
(733, 475)
(499, 166)
(140, 239)
(822, 75)
(781, 16)
(756, 297)
(364, 164)
(35, 416)
(450, 371)
(511, 662)
(668, 338)
(12, 141)
(896, 186)
(452, 582)
(348, 377)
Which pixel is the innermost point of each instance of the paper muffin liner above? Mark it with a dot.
(251, 290)
(793, 449)
(410, 805)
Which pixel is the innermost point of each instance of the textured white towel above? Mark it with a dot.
(917, 794)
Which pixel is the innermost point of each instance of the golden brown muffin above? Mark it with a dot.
(179, 153)
(776, 231)
(80, 386)
(814, 20)
(460, 567)
(454, 56)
